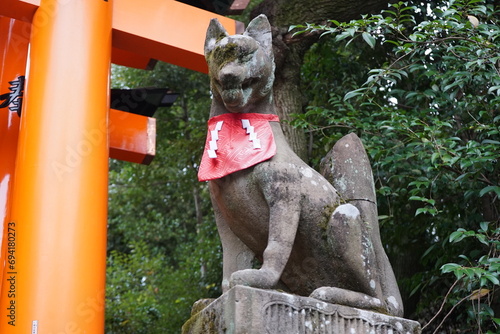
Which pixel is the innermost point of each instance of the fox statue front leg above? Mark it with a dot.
(236, 256)
(282, 195)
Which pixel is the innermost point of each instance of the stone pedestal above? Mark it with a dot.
(244, 310)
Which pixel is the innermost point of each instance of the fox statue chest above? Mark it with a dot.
(240, 200)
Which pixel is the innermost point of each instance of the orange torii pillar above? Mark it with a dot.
(14, 38)
(57, 283)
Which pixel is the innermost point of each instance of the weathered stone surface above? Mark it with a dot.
(347, 167)
(244, 310)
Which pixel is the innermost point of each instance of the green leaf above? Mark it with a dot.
(342, 36)
(434, 156)
(482, 239)
(396, 43)
(422, 199)
(488, 189)
(351, 31)
(454, 268)
(453, 84)
(431, 211)
(457, 235)
(369, 39)
(469, 272)
(484, 226)
(421, 210)
(492, 279)
(494, 88)
(489, 141)
(357, 92)
(449, 267)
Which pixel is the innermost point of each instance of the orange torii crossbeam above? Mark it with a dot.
(164, 30)
(54, 277)
(131, 137)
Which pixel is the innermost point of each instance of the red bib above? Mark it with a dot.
(235, 142)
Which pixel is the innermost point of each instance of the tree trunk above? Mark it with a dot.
(289, 51)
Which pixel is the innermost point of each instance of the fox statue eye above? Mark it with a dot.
(244, 58)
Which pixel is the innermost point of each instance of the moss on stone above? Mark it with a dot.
(325, 219)
(202, 322)
(222, 55)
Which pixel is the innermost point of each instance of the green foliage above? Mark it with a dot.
(144, 295)
(420, 85)
(477, 277)
(133, 300)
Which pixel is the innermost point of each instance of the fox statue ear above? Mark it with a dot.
(260, 30)
(215, 32)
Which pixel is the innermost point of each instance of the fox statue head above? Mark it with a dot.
(241, 67)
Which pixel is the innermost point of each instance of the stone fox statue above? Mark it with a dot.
(312, 239)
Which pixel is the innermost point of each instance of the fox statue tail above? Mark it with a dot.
(348, 169)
